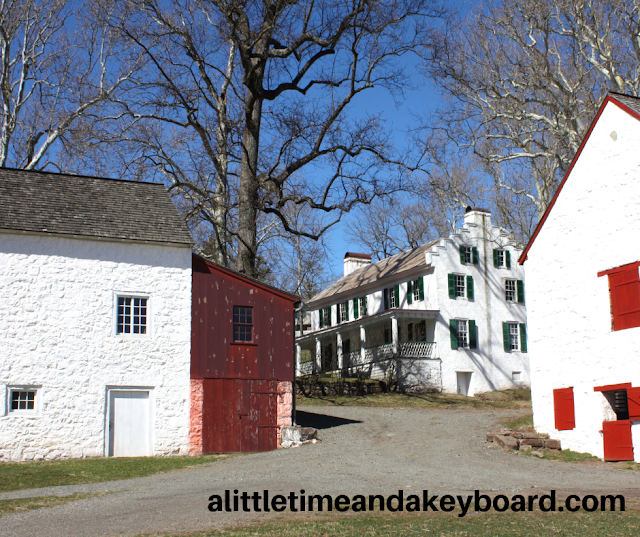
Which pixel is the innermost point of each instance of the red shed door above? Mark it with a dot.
(239, 415)
(618, 445)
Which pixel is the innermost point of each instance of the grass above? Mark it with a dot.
(512, 399)
(8, 507)
(27, 475)
(523, 422)
(480, 525)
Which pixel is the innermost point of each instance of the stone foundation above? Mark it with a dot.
(195, 417)
(285, 407)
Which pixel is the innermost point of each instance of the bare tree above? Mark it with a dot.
(523, 79)
(243, 96)
(57, 68)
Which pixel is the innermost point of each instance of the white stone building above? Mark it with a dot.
(95, 318)
(584, 293)
(448, 315)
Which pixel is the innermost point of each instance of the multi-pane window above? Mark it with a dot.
(362, 306)
(393, 297)
(460, 287)
(132, 315)
(468, 254)
(342, 312)
(416, 290)
(501, 258)
(514, 337)
(242, 323)
(463, 334)
(510, 290)
(23, 400)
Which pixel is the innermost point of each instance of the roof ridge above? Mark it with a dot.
(79, 176)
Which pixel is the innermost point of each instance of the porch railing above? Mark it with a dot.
(417, 349)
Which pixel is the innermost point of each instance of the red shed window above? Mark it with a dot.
(624, 292)
(242, 323)
(564, 409)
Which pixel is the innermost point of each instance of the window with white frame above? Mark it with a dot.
(463, 333)
(342, 312)
(416, 290)
(510, 291)
(460, 286)
(23, 400)
(132, 315)
(468, 254)
(514, 336)
(362, 306)
(394, 301)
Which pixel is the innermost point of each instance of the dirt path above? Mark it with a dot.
(364, 451)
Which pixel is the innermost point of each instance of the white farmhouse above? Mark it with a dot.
(584, 293)
(95, 318)
(446, 316)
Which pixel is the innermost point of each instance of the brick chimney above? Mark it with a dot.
(353, 262)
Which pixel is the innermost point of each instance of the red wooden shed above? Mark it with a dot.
(242, 361)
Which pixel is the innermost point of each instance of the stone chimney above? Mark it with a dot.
(353, 262)
(478, 216)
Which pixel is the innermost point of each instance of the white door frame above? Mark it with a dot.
(107, 429)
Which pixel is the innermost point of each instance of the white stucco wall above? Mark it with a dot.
(490, 366)
(57, 331)
(592, 227)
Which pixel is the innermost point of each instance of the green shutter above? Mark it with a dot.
(355, 308)
(329, 315)
(421, 287)
(523, 337)
(409, 292)
(496, 258)
(475, 255)
(452, 285)
(321, 311)
(473, 335)
(386, 298)
(346, 310)
(508, 258)
(470, 294)
(453, 328)
(505, 337)
(462, 256)
(397, 293)
(365, 307)
(520, 284)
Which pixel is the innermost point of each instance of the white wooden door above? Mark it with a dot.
(129, 423)
(464, 380)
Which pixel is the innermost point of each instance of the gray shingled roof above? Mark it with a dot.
(627, 100)
(89, 206)
(390, 266)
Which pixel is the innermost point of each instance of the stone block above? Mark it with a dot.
(525, 447)
(552, 444)
(534, 435)
(296, 436)
(506, 442)
(533, 442)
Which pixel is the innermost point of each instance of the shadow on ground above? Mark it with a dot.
(320, 421)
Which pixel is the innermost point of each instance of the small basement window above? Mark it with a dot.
(23, 400)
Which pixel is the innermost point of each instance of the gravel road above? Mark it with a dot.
(364, 451)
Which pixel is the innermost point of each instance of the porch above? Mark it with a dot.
(396, 342)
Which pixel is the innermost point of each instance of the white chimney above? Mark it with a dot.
(478, 216)
(353, 262)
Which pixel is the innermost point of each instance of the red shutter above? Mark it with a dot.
(625, 298)
(564, 409)
(617, 440)
(633, 400)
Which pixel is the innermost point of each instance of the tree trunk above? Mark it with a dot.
(248, 202)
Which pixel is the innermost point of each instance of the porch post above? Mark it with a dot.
(317, 364)
(298, 359)
(339, 349)
(394, 334)
(363, 344)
